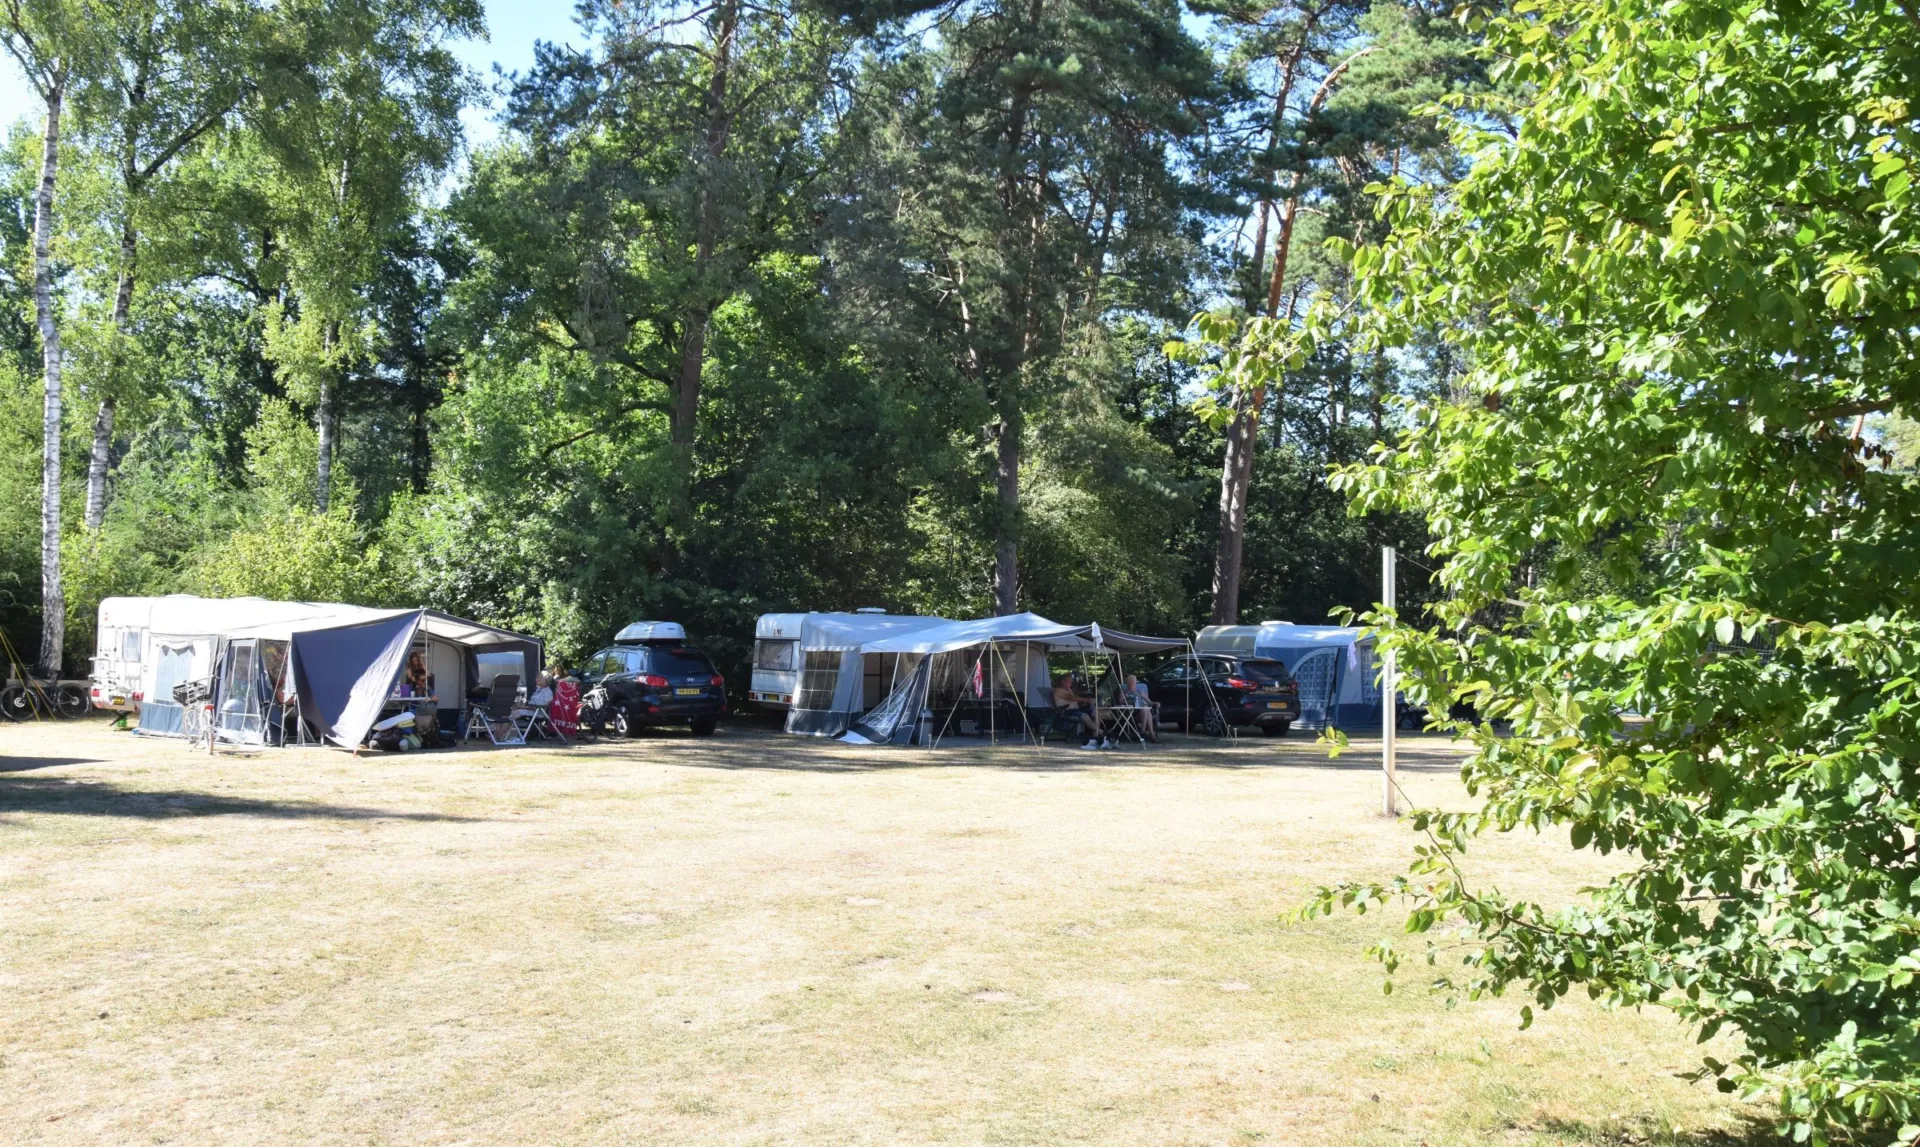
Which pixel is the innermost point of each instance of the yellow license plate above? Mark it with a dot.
(689, 692)
(1278, 705)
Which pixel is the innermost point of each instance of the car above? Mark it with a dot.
(652, 676)
(1255, 691)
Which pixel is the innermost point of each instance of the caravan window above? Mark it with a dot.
(818, 680)
(778, 654)
(130, 644)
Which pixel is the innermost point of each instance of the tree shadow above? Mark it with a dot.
(746, 747)
(1751, 1131)
(28, 764)
(63, 797)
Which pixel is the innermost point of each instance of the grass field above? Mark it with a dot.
(760, 940)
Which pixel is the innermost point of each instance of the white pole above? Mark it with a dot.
(1389, 696)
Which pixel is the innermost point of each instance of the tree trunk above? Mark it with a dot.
(97, 463)
(53, 599)
(323, 429)
(102, 456)
(1006, 542)
(684, 420)
(1243, 435)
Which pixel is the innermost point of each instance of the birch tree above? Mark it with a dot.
(172, 71)
(48, 40)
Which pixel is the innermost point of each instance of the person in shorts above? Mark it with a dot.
(1080, 710)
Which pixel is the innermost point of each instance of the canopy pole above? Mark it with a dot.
(1389, 697)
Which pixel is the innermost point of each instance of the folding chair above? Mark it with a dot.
(488, 719)
(533, 718)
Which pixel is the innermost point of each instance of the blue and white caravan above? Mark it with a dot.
(1334, 664)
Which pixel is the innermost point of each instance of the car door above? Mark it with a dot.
(1172, 686)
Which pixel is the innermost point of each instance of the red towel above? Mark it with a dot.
(565, 710)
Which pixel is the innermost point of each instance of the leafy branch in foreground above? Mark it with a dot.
(1675, 564)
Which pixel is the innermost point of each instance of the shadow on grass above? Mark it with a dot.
(1753, 1131)
(743, 746)
(62, 797)
(28, 764)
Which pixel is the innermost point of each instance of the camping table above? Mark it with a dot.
(1000, 715)
(1126, 718)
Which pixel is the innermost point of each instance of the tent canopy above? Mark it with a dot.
(1016, 628)
(826, 632)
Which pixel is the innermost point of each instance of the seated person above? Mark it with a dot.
(416, 681)
(1149, 711)
(1067, 703)
(540, 698)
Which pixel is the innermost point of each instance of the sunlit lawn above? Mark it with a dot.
(758, 940)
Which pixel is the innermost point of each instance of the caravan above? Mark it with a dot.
(244, 670)
(815, 668)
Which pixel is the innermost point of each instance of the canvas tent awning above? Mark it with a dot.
(1014, 628)
(343, 660)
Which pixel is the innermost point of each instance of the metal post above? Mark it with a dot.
(1389, 696)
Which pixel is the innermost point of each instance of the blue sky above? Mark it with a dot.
(513, 26)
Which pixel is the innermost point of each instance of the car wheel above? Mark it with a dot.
(15, 704)
(72, 701)
(1280, 730)
(704, 726)
(622, 723)
(1215, 724)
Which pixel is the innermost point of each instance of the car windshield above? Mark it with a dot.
(679, 661)
(1265, 672)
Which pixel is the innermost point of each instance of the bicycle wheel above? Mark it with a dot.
(72, 701)
(16, 704)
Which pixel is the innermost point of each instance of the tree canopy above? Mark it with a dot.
(1681, 274)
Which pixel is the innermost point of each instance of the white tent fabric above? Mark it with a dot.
(1008, 659)
(1011, 629)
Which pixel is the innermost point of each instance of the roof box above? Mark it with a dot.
(641, 631)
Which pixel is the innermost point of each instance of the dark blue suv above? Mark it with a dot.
(656, 683)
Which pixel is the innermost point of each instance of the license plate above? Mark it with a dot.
(1279, 705)
(118, 701)
(689, 692)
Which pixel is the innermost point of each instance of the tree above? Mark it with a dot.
(1334, 99)
(49, 40)
(648, 182)
(1021, 189)
(358, 104)
(1676, 287)
(171, 72)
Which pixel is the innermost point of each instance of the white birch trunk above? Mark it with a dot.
(53, 600)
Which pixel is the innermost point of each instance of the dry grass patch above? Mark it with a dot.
(757, 940)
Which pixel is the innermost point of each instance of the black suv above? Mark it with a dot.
(655, 683)
(1253, 691)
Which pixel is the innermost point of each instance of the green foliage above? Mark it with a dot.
(1675, 286)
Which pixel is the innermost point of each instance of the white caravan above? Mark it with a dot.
(141, 639)
(811, 665)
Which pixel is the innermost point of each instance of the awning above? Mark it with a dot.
(1119, 642)
(1017, 627)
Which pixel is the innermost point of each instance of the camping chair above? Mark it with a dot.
(533, 719)
(497, 713)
